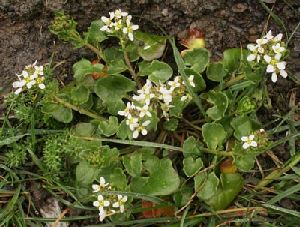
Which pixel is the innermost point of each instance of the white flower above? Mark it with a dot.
(262, 41)
(32, 75)
(248, 141)
(278, 37)
(268, 36)
(108, 24)
(278, 49)
(142, 129)
(132, 122)
(102, 215)
(100, 203)
(129, 30)
(102, 184)
(176, 83)
(191, 81)
(120, 203)
(144, 111)
(261, 130)
(144, 97)
(127, 111)
(166, 95)
(118, 14)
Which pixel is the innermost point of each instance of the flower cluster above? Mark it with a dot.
(107, 204)
(257, 139)
(269, 50)
(119, 22)
(138, 112)
(31, 76)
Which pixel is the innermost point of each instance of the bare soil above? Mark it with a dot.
(25, 36)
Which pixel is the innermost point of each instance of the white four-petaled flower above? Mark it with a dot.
(249, 141)
(120, 203)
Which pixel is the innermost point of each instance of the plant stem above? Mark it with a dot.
(78, 109)
(278, 172)
(95, 50)
(155, 145)
(131, 70)
(233, 81)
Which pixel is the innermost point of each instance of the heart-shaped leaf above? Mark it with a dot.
(156, 71)
(197, 59)
(220, 102)
(191, 166)
(213, 135)
(162, 179)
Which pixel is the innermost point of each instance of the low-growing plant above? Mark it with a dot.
(151, 129)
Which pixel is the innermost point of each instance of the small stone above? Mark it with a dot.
(253, 31)
(239, 7)
(165, 12)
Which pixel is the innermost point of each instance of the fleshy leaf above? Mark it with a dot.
(242, 126)
(216, 72)
(133, 164)
(220, 102)
(109, 127)
(197, 59)
(80, 95)
(153, 45)
(209, 188)
(232, 59)
(85, 67)
(156, 71)
(94, 34)
(191, 147)
(213, 135)
(113, 87)
(191, 166)
(162, 179)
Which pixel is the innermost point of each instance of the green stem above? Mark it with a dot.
(155, 145)
(278, 172)
(95, 50)
(131, 70)
(233, 81)
(78, 109)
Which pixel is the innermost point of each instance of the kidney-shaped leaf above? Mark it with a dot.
(213, 135)
(191, 166)
(210, 187)
(197, 59)
(216, 72)
(162, 179)
(113, 87)
(156, 71)
(85, 67)
(220, 102)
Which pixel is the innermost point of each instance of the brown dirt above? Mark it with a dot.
(25, 36)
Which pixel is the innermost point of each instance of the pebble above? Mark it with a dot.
(239, 7)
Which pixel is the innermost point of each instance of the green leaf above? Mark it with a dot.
(153, 45)
(197, 59)
(209, 188)
(171, 124)
(84, 129)
(114, 105)
(182, 196)
(85, 67)
(58, 112)
(80, 95)
(213, 135)
(94, 34)
(243, 159)
(220, 102)
(116, 67)
(191, 147)
(115, 176)
(133, 164)
(156, 71)
(191, 166)
(242, 126)
(177, 107)
(113, 87)
(124, 131)
(216, 72)
(109, 127)
(231, 185)
(162, 179)
(132, 51)
(198, 80)
(85, 173)
(232, 59)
